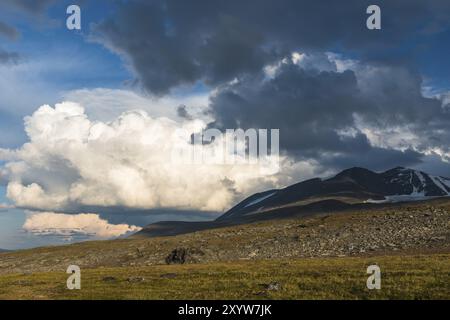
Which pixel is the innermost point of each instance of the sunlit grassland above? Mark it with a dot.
(403, 277)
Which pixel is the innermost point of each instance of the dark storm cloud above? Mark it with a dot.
(375, 158)
(394, 96)
(183, 113)
(316, 112)
(171, 42)
(308, 106)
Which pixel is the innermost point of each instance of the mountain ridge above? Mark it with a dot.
(354, 184)
(353, 188)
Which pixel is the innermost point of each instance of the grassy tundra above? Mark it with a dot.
(403, 277)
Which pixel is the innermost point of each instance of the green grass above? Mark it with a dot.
(403, 277)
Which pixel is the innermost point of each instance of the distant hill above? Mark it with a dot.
(350, 189)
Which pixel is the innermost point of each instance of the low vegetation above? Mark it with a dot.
(315, 257)
(403, 277)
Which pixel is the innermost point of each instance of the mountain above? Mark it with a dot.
(351, 186)
(350, 189)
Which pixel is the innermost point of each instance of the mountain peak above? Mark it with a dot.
(400, 169)
(353, 185)
(355, 171)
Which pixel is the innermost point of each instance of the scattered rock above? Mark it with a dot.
(253, 254)
(177, 256)
(140, 254)
(273, 286)
(109, 279)
(183, 255)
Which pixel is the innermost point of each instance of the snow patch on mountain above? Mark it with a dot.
(403, 198)
(419, 191)
(445, 181)
(421, 177)
(259, 199)
(439, 184)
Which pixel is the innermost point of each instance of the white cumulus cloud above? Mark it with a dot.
(72, 162)
(50, 223)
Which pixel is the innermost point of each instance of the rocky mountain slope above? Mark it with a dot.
(401, 228)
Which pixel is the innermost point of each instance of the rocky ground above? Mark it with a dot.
(412, 228)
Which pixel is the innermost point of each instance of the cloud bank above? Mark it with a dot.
(72, 163)
(270, 67)
(88, 224)
(342, 113)
(171, 43)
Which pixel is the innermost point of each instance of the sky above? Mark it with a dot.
(89, 118)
